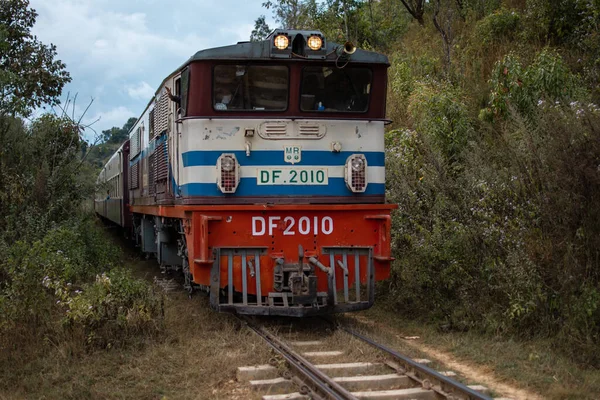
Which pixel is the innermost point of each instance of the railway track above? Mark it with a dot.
(314, 369)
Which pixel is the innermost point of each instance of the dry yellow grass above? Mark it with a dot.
(511, 367)
(195, 358)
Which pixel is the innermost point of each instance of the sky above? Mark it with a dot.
(119, 51)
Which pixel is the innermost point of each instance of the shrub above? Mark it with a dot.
(438, 110)
(506, 242)
(70, 275)
(501, 25)
(519, 89)
(404, 73)
(401, 82)
(113, 307)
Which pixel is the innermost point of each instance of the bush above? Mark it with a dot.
(438, 111)
(70, 276)
(523, 90)
(113, 307)
(507, 242)
(501, 25)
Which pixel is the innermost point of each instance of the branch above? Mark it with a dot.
(417, 13)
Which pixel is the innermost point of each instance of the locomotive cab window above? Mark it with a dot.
(250, 88)
(335, 89)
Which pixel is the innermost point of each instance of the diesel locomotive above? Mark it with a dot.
(258, 170)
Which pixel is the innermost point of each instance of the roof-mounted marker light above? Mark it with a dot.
(356, 173)
(281, 42)
(315, 42)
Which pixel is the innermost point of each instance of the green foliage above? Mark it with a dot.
(507, 88)
(292, 14)
(51, 251)
(499, 26)
(118, 135)
(561, 21)
(497, 223)
(416, 8)
(54, 260)
(508, 244)
(29, 73)
(114, 305)
(71, 274)
(44, 179)
(112, 139)
(366, 23)
(523, 90)
(437, 110)
(68, 254)
(479, 8)
(261, 30)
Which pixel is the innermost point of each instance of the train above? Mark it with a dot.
(258, 171)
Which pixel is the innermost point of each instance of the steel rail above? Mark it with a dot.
(456, 388)
(322, 382)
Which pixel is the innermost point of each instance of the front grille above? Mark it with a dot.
(274, 129)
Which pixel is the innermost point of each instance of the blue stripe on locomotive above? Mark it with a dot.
(275, 157)
(249, 188)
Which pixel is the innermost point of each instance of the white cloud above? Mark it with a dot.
(109, 43)
(141, 91)
(106, 119)
(119, 51)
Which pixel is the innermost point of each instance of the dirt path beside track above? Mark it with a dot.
(482, 375)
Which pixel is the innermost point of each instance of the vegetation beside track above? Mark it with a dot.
(195, 356)
(493, 158)
(493, 161)
(63, 289)
(535, 365)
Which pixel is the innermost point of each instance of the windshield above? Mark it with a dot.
(250, 88)
(335, 89)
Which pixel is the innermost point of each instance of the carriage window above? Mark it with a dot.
(250, 88)
(335, 89)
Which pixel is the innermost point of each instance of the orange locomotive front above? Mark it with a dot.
(301, 259)
(260, 174)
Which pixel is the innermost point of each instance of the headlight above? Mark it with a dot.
(356, 173)
(315, 42)
(281, 42)
(227, 164)
(357, 164)
(228, 173)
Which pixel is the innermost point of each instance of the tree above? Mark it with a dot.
(416, 8)
(29, 73)
(293, 14)
(261, 30)
(118, 135)
(110, 140)
(444, 27)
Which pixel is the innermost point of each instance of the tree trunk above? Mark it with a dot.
(444, 34)
(346, 19)
(416, 8)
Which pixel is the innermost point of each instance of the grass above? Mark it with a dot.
(533, 365)
(196, 357)
(197, 354)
